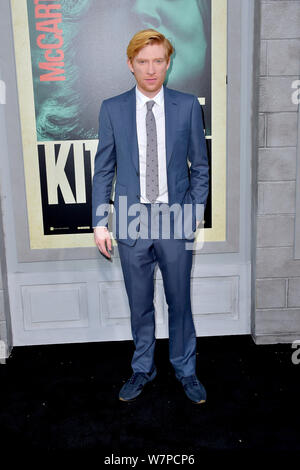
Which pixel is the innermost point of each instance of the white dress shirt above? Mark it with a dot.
(159, 114)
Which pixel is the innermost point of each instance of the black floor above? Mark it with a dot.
(65, 397)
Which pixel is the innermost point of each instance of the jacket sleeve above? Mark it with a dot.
(197, 155)
(104, 169)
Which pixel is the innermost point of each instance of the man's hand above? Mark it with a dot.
(103, 240)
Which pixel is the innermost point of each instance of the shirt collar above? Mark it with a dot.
(141, 99)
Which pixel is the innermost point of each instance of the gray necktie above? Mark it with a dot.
(151, 155)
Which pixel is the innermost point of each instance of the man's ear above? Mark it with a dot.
(130, 65)
(168, 62)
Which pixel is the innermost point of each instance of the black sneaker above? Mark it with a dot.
(134, 386)
(194, 389)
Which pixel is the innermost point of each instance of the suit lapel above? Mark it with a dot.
(171, 116)
(129, 116)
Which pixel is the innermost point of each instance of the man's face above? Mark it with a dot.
(150, 67)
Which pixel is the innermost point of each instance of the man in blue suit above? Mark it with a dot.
(147, 135)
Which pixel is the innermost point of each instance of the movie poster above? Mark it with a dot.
(70, 55)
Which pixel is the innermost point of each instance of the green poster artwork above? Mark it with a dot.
(78, 54)
(70, 56)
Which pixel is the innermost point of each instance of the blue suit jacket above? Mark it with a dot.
(118, 149)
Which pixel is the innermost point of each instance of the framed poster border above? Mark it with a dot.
(226, 218)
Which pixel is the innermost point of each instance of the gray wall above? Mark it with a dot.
(275, 196)
(72, 295)
(277, 269)
(5, 324)
(5, 321)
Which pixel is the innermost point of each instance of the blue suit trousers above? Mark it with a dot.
(175, 262)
